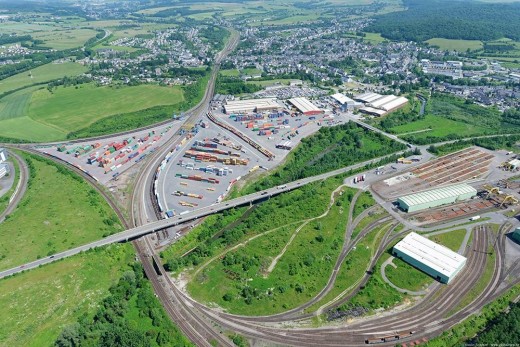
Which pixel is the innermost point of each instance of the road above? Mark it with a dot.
(20, 188)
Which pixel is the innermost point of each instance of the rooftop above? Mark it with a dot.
(304, 105)
(431, 254)
(437, 194)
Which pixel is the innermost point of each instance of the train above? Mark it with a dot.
(389, 338)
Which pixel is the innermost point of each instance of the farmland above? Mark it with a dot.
(54, 115)
(37, 304)
(60, 209)
(456, 45)
(41, 74)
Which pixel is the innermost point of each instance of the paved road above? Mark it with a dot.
(21, 187)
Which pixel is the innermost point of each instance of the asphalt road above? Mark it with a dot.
(21, 186)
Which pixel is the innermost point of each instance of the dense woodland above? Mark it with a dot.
(468, 20)
(129, 317)
(503, 330)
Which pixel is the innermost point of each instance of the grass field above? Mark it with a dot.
(41, 74)
(437, 126)
(59, 211)
(38, 303)
(37, 115)
(374, 38)
(230, 73)
(452, 240)
(245, 281)
(61, 38)
(250, 71)
(70, 109)
(406, 276)
(456, 45)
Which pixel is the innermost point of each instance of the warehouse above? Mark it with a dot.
(345, 102)
(253, 105)
(3, 155)
(515, 235)
(367, 97)
(372, 111)
(305, 106)
(436, 197)
(4, 169)
(436, 260)
(381, 101)
(394, 104)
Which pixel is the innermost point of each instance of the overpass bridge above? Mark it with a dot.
(152, 227)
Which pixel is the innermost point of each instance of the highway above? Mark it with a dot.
(21, 187)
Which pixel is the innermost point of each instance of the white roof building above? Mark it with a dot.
(436, 260)
(342, 98)
(253, 105)
(305, 106)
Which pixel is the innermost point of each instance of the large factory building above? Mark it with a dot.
(305, 106)
(436, 260)
(436, 197)
(516, 235)
(249, 106)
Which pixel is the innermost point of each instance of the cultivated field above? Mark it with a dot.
(456, 45)
(40, 74)
(52, 116)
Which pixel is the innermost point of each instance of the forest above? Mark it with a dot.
(504, 329)
(468, 20)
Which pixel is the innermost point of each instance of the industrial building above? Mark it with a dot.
(436, 197)
(3, 155)
(346, 102)
(379, 105)
(4, 169)
(436, 260)
(305, 106)
(515, 235)
(248, 106)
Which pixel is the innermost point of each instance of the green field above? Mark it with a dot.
(259, 277)
(59, 211)
(41, 74)
(452, 240)
(439, 127)
(456, 45)
(67, 38)
(374, 38)
(406, 276)
(70, 109)
(37, 115)
(267, 83)
(38, 303)
(230, 73)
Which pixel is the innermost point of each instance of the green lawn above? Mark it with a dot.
(456, 45)
(250, 71)
(374, 38)
(267, 83)
(38, 303)
(406, 276)
(41, 74)
(440, 127)
(452, 240)
(59, 211)
(230, 73)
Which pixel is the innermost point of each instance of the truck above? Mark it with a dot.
(282, 186)
(474, 218)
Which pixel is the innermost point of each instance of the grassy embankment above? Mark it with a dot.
(59, 211)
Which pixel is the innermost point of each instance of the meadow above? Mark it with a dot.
(37, 304)
(456, 45)
(59, 211)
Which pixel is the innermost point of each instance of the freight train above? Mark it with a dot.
(389, 338)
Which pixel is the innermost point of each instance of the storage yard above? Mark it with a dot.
(203, 169)
(455, 186)
(106, 159)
